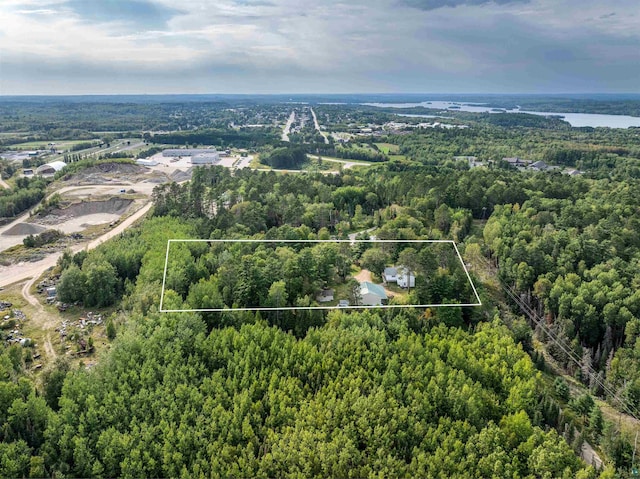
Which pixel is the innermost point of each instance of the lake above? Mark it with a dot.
(574, 119)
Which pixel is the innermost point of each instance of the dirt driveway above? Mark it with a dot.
(365, 275)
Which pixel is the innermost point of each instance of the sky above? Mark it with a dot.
(321, 46)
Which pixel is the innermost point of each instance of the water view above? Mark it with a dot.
(574, 119)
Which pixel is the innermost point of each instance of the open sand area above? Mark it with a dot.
(72, 219)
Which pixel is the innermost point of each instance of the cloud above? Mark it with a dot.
(143, 13)
(435, 4)
(305, 45)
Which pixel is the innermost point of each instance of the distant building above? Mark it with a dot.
(325, 296)
(539, 166)
(146, 162)
(372, 294)
(49, 169)
(516, 162)
(574, 172)
(174, 152)
(471, 160)
(210, 158)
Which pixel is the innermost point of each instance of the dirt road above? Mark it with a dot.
(31, 272)
(590, 456)
(22, 271)
(40, 318)
(4, 184)
(365, 275)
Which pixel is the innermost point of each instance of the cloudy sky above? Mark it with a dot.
(323, 46)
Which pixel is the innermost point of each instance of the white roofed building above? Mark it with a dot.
(50, 168)
(210, 158)
(175, 152)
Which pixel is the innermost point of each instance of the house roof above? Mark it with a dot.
(404, 271)
(538, 164)
(369, 288)
(516, 160)
(390, 271)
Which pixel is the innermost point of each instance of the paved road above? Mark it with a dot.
(129, 147)
(315, 122)
(287, 127)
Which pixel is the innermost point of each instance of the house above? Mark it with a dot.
(325, 296)
(574, 172)
(372, 294)
(390, 275)
(516, 162)
(406, 278)
(400, 275)
(539, 166)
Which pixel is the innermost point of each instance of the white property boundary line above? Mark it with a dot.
(294, 308)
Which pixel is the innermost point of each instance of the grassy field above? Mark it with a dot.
(44, 144)
(341, 160)
(255, 163)
(387, 148)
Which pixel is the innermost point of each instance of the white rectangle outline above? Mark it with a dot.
(294, 308)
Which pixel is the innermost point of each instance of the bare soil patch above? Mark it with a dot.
(22, 229)
(105, 172)
(113, 206)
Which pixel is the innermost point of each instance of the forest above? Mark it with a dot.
(27, 193)
(511, 388)
(503, 417)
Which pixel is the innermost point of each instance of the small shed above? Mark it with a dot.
(325, 296)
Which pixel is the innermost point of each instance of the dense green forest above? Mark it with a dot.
(435, 392)
(27, 193)
(218, 204)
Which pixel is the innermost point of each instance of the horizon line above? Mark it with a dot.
(6, 95)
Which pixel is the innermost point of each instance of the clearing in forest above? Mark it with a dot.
(224, 275)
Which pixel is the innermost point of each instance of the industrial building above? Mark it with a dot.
(209, 158)
(146, 162)
(175, 152)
